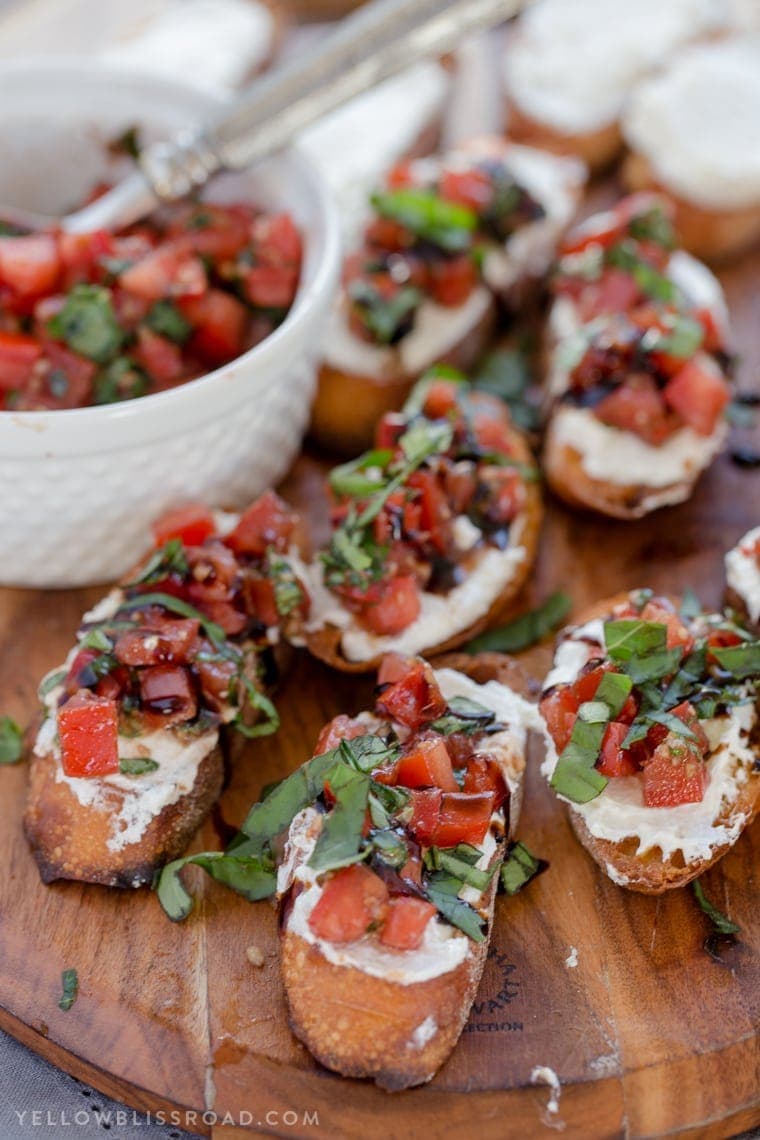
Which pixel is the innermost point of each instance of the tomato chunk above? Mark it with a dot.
(167, 690)
(396, 606)
(88, 730)
(220, 323)
(192, 524)
(464, 818)
(405, 922)
(483, 774)
(267, 522)
(169, 271)
(452, 279)
(18, 355)
(426, 812)
(413, 697)
(637, 406)
(29, 265)
(353, 900)
(698, 395)
(341, 727)
(675, 774)
(427, 764)
(614, 760)
(559, 708)
(660, 610)
(171, 644)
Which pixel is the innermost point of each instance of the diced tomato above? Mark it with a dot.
(483, 774)
(405, 922)
(441, 399)
(426, 812)
(675, 774)
(267, 522)
(191, 523)
(698, 395)
(660, 610)
(400, 176)
(29, 265)
(637, 406)
(219, 322)
(714, 339)
(89, 734)
(492, 433)
(384, 233)
(113, 685)
(389, 430)
(452, 279)
(81, 255)
(615, 292)
(722, 639)
(426, 764)
(353, 900)
(158, 356)
(464, 818)
(434, 508)
(18, 355)
(396, 607)
(412, 697)
(209, 230)
(167, 689)
(506, 493)
(169, 271)
(62, 379)
(173, 643)
(277, 240)
(614, 760)
(215, 678)
(225, 614)
(472, 188)
(341, 727)
(688, 714)
(411, 872)
(271, 286)
(260, 600)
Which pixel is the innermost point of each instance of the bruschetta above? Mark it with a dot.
(653, 739)
(743, 579)
(447, 236)
(127, 760)
(570, 67)
(692, 133)
(434, 531)
(637, 363)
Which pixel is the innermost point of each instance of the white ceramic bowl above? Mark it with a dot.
(79, 488)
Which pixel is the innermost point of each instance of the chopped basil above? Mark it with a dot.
(648, 279)
(137, 765)
(445, 224)
(594, 712)
(70, 988)
(120, 379)
(254, 877)
(653, 225)
(389, 847)
(386, 803)
(96, 638)
(415, 401)
(387, 318)
(50, 682)
(526, 630)
(442, 890)
(359, 478)
(214, 632)
(633, 638)
(464, 715)
(518, 868)
(460, 865)
(288, 593)
(575, 776)
(87, 323)
(168, 559)
(264, 725)
(11, 741)
(740, 660)
(270, 816)
(364, 753)
(672, 723)
(165, 319)
(721, 924)
(340, 840)
(682, 341)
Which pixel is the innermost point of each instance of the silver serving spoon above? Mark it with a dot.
(374, 43)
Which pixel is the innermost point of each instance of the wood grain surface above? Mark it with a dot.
(648, 1034)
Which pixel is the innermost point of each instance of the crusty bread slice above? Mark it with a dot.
(563, 468)
(325, 643)
(363, 1026)
(347, 406)
(651, 873)
(70, 839)
(715, 235)
(598, 148)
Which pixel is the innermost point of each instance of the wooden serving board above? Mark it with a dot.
(647, 1033)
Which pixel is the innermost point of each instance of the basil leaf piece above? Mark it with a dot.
(288, 593)
(442, 891)
(165, 319)
(389, 319)
(631, 637)
(594, 712)
(653, 225)
(463, 869)
(660, 288)
(137, 765)
(214, 632)
(50, 682)
(253, 877)
(87, 323)
(262, 704)
(11, 741)
(464, 715)
(672, 723)
(721, 924)
(96, 639)
(367, 752)
(654, 666)
(445, 224)
(575, 776)
(351, 479)
(340, 840)
(386, 803)
(168, 559)
(70, 988)
(526, 630)
(268, 818)
(518, 868)
(682, 341)
(415, 401)
(740, 660)
(389, 847)
(614, 690)
(120, 379)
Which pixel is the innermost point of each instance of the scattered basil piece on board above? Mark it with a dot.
(518, 868)
(11, 741)
(721, 924)
(70, 988)
(254, 877)
(526, 630)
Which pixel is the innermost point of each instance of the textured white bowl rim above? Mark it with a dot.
(103, 427)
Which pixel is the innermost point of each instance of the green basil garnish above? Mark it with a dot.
(137, 765)
(88, 324)
(518, 868)
(340, 840)
(443, 890)
(11, 741)
(70, 988)
(165, 319)
(721, 924)
(387, 318)
(253, 877)
(445, 224)
(740, 661)
(526, 630)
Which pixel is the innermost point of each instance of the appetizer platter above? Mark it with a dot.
(417, 793)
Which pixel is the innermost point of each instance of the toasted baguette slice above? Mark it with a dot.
(363, 1024)
(743, 579)
(73, 840)
(348, 405)
(654, 872)
(598, 148)
(326, 641)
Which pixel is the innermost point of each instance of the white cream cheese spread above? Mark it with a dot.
(743, 572)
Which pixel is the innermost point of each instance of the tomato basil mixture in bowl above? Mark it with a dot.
(209, 311)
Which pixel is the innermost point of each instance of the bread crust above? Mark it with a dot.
(325, 643)
(348, 405)
(598, 148)
(563, 468)
(69, 840)
(650, 873)
(711, 234)
(734, 601)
